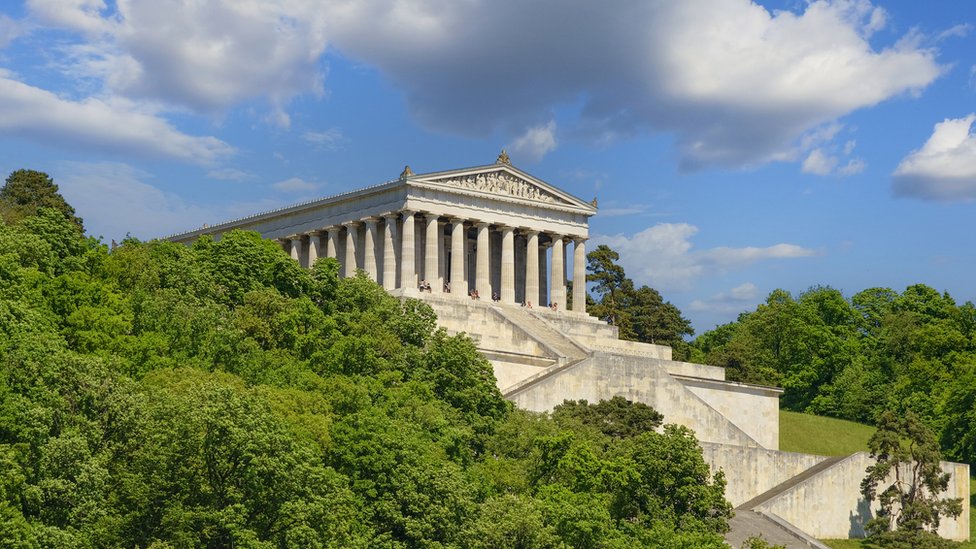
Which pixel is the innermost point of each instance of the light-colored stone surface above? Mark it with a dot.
(603, 376)
(829, 505)
(754, 409)
(750, 471)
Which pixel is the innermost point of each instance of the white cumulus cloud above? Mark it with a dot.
(662, 255)
(114, 124)
(735, 83)
(535, 143)
(207, 56)
(944, 169)
(735, 300)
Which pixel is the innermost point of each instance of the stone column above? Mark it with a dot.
(408, 263)
(508, 265)
(458, 253)
(314, 248)
(352, 238)
(332, 243)
(532, 268)
(369, 249)
(579, 275)
(389, 252)
(431, 252)
(558, 273)
(296, 248)
(544, 274)
(482, 281)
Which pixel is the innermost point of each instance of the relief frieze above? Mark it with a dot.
(501, 183)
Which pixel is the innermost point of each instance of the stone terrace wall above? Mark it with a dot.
(751, 471)
(603, 376)
(829, 505)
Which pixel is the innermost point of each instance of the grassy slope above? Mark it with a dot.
(835, 437)
(819, 435)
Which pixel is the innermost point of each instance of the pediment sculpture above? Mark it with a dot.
(502, 183)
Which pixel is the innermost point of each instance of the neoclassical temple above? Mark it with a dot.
(494, 230)
(504, 234)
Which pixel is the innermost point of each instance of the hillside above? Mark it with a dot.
(220, 395)
(825, 436)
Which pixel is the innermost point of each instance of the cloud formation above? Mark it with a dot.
(207, 56)
(732, 301)
(535, 143)
(944, 169)
(736, 84)
(115, 125)
(116, 199)
(295, 185)
(662, 255)
(329, 140)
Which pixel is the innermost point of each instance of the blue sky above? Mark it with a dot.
(734, 147)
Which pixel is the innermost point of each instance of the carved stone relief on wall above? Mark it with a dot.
(501, 183)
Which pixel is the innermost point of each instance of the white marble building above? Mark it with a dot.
(491, 229)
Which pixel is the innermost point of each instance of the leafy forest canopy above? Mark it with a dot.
(158, 395)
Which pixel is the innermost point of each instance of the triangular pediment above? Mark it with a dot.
(503, 182)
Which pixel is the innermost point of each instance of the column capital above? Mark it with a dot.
(406, 212)
(352, 224)
(506, 229)
(480, 224)
(528, 232)
(294, 237)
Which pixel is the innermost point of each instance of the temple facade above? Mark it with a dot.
(492, 231)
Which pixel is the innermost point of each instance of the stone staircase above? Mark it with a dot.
(563, 348)
(750, 521)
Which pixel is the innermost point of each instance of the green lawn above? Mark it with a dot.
(820, 435)
(835, 437)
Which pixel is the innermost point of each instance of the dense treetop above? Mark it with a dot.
(854, 358)
(219, 395)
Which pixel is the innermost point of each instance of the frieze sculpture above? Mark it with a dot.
(500, 183)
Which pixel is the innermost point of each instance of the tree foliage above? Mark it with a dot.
(640, 314)
(856, 358)
(907, 479)
(617, 418)
(218, 395)
(25, 192)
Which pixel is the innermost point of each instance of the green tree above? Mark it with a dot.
(640, 314)
(906, 479)
(610, 284)
(617, 418)
(27, 191)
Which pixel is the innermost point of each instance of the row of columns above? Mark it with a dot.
(396, 236)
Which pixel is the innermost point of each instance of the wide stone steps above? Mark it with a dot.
(746, 524)
(748, 521)
(791, 482)
(564, 347)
